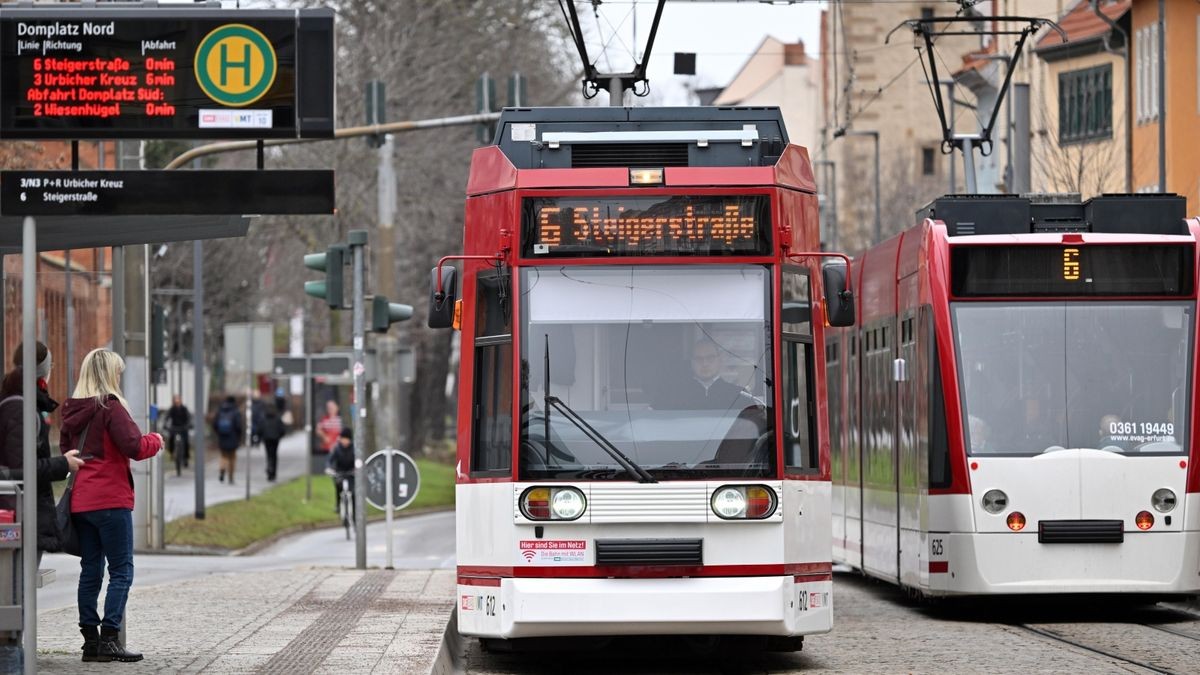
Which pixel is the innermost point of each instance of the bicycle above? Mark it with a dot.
(345, 501)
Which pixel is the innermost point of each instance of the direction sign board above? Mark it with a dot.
(165, 72)
(322, 364)
(248, 347)
(406, 479)
(153, 193)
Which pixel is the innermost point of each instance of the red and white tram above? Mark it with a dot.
(1014, 412)
(633, 334)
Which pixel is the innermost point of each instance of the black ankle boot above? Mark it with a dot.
(111, 649)
(91, 642)
(221, 476)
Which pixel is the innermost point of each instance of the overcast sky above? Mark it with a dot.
(721, 34)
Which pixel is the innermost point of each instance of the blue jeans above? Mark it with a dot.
(107, 533)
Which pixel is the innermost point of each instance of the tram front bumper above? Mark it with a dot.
(779, 605)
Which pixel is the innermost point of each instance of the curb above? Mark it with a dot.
(274, 538)
(449, 659)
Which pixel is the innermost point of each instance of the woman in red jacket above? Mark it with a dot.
(96, 421)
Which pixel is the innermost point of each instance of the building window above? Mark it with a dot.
(1146, 51)
(928, 162)
(1085, 104)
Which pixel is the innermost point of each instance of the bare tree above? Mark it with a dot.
(1089, 167)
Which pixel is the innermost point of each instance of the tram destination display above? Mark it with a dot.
(170, 72)
(1071, 270)
(637, 225)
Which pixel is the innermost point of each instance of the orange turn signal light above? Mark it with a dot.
(1016, 521)
(1144, 520)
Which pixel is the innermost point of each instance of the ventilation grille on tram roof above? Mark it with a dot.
(1081, 531)
(629, 154)
(649, 551)
(1019, 214)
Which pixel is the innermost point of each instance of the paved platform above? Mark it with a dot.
(302, 620)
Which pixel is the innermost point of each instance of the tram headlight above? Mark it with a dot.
(567, 504)
(1163, 500)
(995, 501)
(744, 502)
(552, 503)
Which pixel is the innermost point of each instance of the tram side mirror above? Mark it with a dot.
(839, 299)
(441, 298)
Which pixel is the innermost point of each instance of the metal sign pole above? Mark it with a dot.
(249, 396)
(308, 426)
(357, 240)
(200, 404)
(391, 503)
(29, 441)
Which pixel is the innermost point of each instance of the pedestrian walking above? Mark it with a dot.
(12, 459)
(229, 428)
(96, 421)
(257, 415)
(273, 430)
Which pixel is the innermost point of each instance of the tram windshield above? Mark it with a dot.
(669, 364)
(1040, 377)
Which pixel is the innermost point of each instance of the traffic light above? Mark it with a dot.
(158, 339)
(330, 262)
(384, 313)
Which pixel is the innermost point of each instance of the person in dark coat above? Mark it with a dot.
(12, 459)
(706, 389)
(229, 428)
(258, 409)
(341, 464)
(273, 430)
(179, 422)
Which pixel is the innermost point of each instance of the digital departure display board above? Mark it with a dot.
(1086, 269)
(651, 225)
(95, 72)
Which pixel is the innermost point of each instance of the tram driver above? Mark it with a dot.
(705, 389)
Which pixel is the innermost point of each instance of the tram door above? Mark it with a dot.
(909, 391)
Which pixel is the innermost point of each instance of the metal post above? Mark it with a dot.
(953, 176)
(878, 216)
(70, 336)
(308, 427)
(357, 240)
(1162, 96)
(385, 264)
(390, 508)
(29, 445)
(968, 151)
(249, 401)
(200, 405)
(1022, 176)
(616, 93)
(118, 300)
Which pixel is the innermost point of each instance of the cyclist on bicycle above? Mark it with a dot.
(341, 464)
(179, 421)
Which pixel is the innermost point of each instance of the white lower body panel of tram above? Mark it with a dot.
(768, 577)
(951, 545)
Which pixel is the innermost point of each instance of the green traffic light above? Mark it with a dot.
(384, 313)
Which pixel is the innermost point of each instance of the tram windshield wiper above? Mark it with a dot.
(599, 439)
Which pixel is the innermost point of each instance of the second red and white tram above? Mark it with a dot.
(641, 446)
(1014, 412)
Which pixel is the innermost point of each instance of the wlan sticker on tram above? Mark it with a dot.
(561, 552)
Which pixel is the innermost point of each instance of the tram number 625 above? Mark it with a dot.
(489, 605)
(936, 548)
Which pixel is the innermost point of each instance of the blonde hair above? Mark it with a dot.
(100, 376)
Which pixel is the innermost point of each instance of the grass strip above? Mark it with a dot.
(237, 524)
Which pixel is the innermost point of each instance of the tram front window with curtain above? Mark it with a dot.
(668, 364)
(1105, 375)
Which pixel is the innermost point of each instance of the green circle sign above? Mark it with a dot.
(235, 65)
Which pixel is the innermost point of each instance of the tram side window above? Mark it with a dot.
(493, 425)
(491, 450)
(939, 441)
(799, 429)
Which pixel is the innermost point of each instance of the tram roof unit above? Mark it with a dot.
(1146, 214)
(574, 138)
